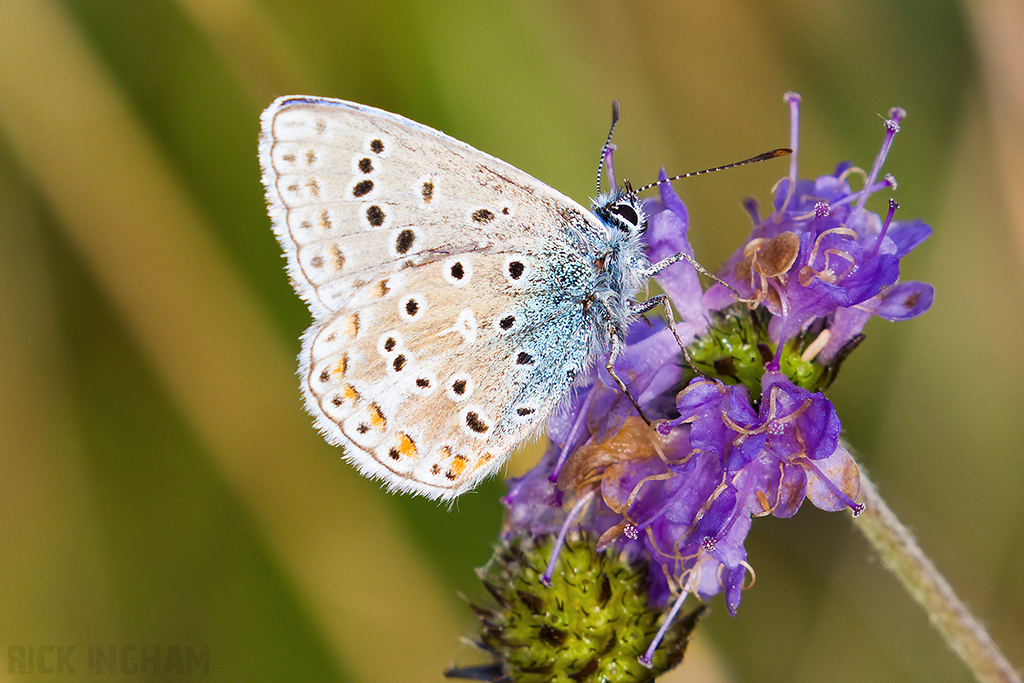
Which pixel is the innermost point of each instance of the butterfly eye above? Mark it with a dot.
(621, 209)
(627, 215)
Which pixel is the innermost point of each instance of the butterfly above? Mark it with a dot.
(455, 298)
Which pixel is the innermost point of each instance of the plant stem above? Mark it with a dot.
(903, 557)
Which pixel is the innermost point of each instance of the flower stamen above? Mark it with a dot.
(577, 508)
(892, 126)
(647, 657)
(893, 206)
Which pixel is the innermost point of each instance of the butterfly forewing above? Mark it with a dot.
(447, 288)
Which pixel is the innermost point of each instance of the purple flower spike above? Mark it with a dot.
(674, 500)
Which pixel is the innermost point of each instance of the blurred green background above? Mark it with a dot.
(160, 484)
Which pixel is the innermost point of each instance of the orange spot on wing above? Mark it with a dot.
(458, 465)
(377, 419)
(405, 446)
(350, 325)
(487, 457)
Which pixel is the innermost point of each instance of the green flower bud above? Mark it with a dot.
(591, 624)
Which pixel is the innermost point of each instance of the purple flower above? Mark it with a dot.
(820, 254)
(754, 436)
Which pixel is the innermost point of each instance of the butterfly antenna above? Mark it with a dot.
(607, 143)
(781, 152)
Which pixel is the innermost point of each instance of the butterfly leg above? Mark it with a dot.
(666, 262)
(642, 307)
(662, 300)
(613, 355)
